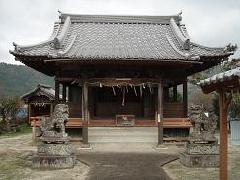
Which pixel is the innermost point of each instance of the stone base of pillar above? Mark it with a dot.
(85, 146)
(161, 146)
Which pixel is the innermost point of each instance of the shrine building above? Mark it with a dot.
(122, 70)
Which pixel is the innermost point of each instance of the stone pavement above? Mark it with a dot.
(125, 166)
(126, 153)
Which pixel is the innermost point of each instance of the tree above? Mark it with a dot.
(8, 109)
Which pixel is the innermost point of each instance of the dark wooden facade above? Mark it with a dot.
(121, 65)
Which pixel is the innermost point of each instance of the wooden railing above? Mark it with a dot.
(72, 122)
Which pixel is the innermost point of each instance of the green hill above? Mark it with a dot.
(16, 80)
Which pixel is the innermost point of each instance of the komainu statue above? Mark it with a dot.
(54, 150)
(202, 149)
(53, 128)
(205, 124)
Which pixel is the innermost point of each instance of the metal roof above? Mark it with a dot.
(119, 37)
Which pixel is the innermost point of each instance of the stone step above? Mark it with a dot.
(123, 134)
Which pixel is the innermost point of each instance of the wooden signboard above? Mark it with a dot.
(125, 120)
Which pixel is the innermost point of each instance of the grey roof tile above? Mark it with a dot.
(41, 89)
(221, 77)
(118, 37)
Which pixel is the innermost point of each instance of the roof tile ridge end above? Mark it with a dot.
(18, 47)
(186, 55)
(58, 40)
(185, 41)
(61, 53)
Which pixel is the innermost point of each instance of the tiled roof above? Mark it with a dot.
(119, 37)
(228, 75)
(40, 90)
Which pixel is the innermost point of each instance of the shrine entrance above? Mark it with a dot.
(123, 106)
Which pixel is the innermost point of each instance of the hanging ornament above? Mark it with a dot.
(150, 88)
(141, 91)
(114, 92)
(123, 97)
(135, 90)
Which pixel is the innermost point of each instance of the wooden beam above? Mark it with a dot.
(166, 94)
(223, 136)
(64, 92)
(160, 113)
(56, 91)
(185, 98)
(226, 85)
(175, 93)
(85, 113)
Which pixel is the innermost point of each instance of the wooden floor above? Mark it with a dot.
(78, 123)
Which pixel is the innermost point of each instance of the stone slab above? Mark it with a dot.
(199, 160)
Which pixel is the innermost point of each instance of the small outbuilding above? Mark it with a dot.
(40, 102)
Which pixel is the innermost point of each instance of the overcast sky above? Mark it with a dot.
(209, 22)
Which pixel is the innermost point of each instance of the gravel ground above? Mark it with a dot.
(179, 172)
(122, 160)
(15, 162)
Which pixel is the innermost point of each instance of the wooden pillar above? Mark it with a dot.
(64, 92)
(175, 93)
(56, 91)
(85, 113)
(146, 104)
(160, 113)
(29, 113)
(185, 98)
(166, 94)
(224, 102)
(51, 109)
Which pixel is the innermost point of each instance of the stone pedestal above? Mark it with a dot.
(54, 151)
(200, 155)
(54, 156)
(53, 161)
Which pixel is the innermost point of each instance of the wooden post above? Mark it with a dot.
(64, 92)
(34, 130)
(85, 114)
(185, 98)
(160, 113)
(56, 91)
(29, 113)
(166, 94)
(224, 102)
(51, 109)
(175, 93)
